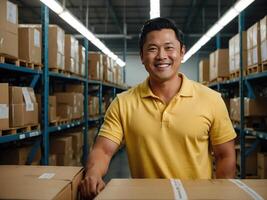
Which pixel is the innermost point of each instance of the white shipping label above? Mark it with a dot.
(47, 176)
(27, 99)
(11, 12)
(36, 38)
(3, 111)
(264, 51)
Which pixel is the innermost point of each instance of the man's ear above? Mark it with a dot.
(182, 52)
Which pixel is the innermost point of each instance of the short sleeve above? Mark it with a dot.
(112, 127)
(222, 129)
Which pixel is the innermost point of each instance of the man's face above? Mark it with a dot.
(162, 54)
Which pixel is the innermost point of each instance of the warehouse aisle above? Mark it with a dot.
(119, 167)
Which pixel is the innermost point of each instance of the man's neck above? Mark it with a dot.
(166, 90)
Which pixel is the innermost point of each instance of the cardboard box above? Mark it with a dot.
(262, 165)
(42, 182)
(186, 189)
(65, 159)
(219, 62)
(254, 44)
(9, 43)
(56, 47)
(263, 25)
(52, 101)
(75, 88)
(4, 106)
(264, 51)
(204, 70)
(71, 53)
(61, 145)
(8, 17)
(30, 44)
(52, 117)
(95, 66)
(252, 107)
(81, 60)
(64, 111)
(18, 155)
(52, 160)
(77, 141)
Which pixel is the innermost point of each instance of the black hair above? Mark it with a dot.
(157, 24)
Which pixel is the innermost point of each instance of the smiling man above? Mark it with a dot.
(170, 124)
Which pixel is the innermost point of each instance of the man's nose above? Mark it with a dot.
(161, 54)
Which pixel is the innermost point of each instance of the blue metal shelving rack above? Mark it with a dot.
(45, 75)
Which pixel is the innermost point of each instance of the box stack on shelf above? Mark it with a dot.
(263, 44)
(204, 69)
(218, 66)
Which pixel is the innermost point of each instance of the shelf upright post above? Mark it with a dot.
(241, 27)
(124, 50)
(85, 130)
(45, 84)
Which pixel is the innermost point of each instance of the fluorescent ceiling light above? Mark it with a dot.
(78, 26)
(154, 9)
(53, 5)
(223, 21)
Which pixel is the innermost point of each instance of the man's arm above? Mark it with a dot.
(225, 159)
(97, 167)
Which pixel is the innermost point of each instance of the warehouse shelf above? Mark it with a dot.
(248, 131)
(19, 136)
(67, 77)
(12, 67)
(66, 126)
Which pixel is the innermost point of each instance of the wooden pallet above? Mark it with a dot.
(236, 74)
(17, 130)
(254, 69)
(19, 62)
(219, 79)
(264, 66)
(60, 71)
(253, 123)
(59, 122)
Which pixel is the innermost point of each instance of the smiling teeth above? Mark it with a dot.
(162, 65)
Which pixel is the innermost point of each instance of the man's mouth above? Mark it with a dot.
(162, 65)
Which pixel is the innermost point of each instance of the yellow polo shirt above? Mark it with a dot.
(169, 141)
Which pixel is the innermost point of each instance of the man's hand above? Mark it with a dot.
(91, 185)
(97, 167)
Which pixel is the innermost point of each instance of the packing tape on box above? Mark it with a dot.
(11, 12)
(36, 38)
(178, 190)
(247, 189)
(3, 111)
(27, 98)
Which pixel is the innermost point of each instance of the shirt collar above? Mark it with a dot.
(186, 89)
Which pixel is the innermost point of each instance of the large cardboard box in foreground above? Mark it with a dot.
(186, 189)
(39, 182)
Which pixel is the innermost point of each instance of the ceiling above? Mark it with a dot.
(106, 18)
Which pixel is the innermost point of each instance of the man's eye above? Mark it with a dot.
(152, 49)
(169, 48)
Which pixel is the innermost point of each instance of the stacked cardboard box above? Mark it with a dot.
(183, 189)
(71, 54)
(40, 182)
(252, 107)
(219, 64)
(81, 60)
(23, 107)
(107, 69)
(93, 106)
(18, 155)
(262, 165)
(4, 106)
(118, 75)
(253, 44)
(204, 71)
(234, 52)
(77, 144)
(62, 147)
(52, 108)
(263, 34)
(8, 28)
(30, 48)
(95, 66)
(69, 105)
(56, 47)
